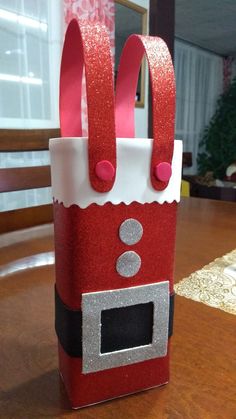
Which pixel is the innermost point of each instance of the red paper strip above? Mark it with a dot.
(87, 44)
(163, 97)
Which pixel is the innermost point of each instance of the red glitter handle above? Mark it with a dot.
(163, 98)
(87, 45)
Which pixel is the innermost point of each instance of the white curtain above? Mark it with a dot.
(199, 82)
(234, 68)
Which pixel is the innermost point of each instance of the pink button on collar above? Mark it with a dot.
(105, 170)
(163, 171)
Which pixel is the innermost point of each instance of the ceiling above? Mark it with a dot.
(210, 24)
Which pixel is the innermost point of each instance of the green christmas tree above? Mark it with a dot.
(218, 144)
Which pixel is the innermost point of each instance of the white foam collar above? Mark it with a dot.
(70, 176)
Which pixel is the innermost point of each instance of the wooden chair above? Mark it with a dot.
(21, 178)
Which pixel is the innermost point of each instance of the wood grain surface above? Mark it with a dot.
(26, 139)
(20, 178)
(202, 383)
(25, 217)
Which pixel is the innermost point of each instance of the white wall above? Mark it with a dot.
(142, 3)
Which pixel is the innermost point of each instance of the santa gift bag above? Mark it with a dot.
(115, 200)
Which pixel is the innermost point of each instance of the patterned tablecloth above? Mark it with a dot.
(214, 284)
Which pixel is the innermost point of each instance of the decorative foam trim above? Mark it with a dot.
(70, 173)
(95, 302)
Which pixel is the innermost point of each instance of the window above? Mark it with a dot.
(30, 53)
(30, 47)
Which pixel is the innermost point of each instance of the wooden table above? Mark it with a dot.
(203, 377)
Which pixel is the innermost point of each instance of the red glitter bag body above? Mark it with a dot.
(115, 200)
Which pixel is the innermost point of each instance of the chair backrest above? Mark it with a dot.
(21, 178)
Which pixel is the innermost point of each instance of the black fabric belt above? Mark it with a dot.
(133, 322)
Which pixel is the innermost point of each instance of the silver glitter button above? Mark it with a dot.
(130, 231)
(128, 264)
